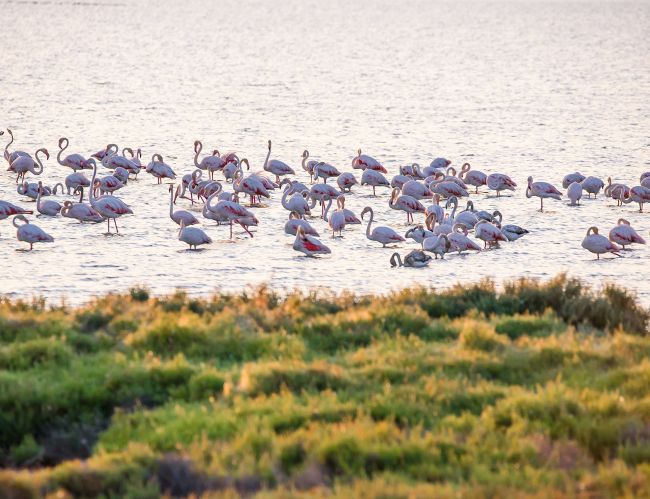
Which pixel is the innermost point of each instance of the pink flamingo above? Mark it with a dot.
(309, 245)
(8, 209)
(459, 240)
(542, 190)
(295, 221)
(110, 207)
(10, 157)
(598, 244)
(30, 233)
(24, 164)
(383, 235)
(475, 178)
(325, 171)
(212, 163)
(374, 178)
(179, 216)
(624, 234)
(276, 167)
(500, 182)
(405, 203)
(193, 236)
(638, 194)
(159, 169)
(74, 161)
(336, 220)
(365, 162)
(489, 233)
(308, 166)
(232, 211)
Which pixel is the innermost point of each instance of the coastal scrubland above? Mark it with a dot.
(526, 390)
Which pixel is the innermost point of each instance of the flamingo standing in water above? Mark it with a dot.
(598, 244)
(438, 245)
(110, 207)
(74, 161)
(365, 162)
(10, 157)
(296, 202)
(192, 235)
(179, 216)
(345, 181)
(542, 190)
(571, 178)
(24, 164)
(277, 167)
(405, 203)
(475, 178)
(308, 166)
(574, 192)
(212, 163)
(47, 207)
(459, 240)
(447, 188)
(325, 171)
(80, 211)
(251, 185)
(75, 180)
(592, 185)
(373, 178)
(383, 235)
(500, 182)
(336, 220)
(30, 233)
(8, 209)
(619, 192)
(416, 190)
(489, 233)
(416, 259)
(350, 217)
(295, 221)
(638, 194)
(309, 245)
(159, 169)
(232, 211)
(624, 234)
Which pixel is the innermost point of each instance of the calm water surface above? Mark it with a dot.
(520, 87)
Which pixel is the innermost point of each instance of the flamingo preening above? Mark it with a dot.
(624, 234)
(109, 207)
(30, 233)
(309, 245)
(599, 244)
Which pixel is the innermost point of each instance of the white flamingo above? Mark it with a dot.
(30, 233)
(10, 157)
(571, 178)
(308, 166)
(48, 208)
(459, 240)
(159, 169)
(438, 245)
(295, 221)
(489, 233)
(193, 236)
(416, 190)
(638, 194)
(212, 163)
(335, 221)
(598, 244)
(179, 216)
(592, 185)
(574, 193)
(296, 202)
(500, 182)
(374, 178)
(383, 235)
(325, 171)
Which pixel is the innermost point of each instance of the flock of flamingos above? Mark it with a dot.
(434, 191)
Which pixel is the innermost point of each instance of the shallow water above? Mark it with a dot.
(519, 87)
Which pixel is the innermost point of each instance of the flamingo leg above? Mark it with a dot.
(115, 222)
(231, 229)
(109, 225)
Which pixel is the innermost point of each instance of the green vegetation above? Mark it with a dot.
(541, 390)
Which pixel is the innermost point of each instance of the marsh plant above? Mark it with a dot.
(535, 390)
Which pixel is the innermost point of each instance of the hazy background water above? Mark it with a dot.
(520, 87)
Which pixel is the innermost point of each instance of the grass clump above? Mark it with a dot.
(538, 390)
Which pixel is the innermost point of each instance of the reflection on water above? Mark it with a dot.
(521, 87)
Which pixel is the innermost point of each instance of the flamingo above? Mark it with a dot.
(8, 209)
(350, 217)
(416, 190)
(447, 189)
(10, 157)
(592, 185)
(459, 240)
(365, 162)
(571, 178)
(309, 245)
(322, 193)
(121, 174)
(251, 185)
(638, 194)
(212, 163)
(291, 226)
(542, 190)
(489, 233)
(74, 161)
(512, 232)
(80, 211)
(107, 151)
(232, 211)
(296, 203)
(467, 217)
(624, 234)
(47, 207)
(439, 164)
(415, 259)
(109, 183)
(135, 158)
(451, 177)
(294, 186)
(335, 221)
(574, 192)
(438, 245)
(31, 189)
(405, 203)
(112, 159)
(179, 216)
(435, 209)
(23, 164)
(193, 236)
(325, 171)
(619, 192)
(30, 233)
(159, 169)
(134, 164)
(277, 167)
(645, 182)
(399, 181)
(598, 244)
(419, 233)
(110, 207)
(308, 166)
(383, 235)
(475, 178)
(500, 182)
(373, 178)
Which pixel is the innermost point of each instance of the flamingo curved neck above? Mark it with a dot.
(197, 151)
(268, 155)
(369, 223)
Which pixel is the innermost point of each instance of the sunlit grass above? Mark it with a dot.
(539, 390)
